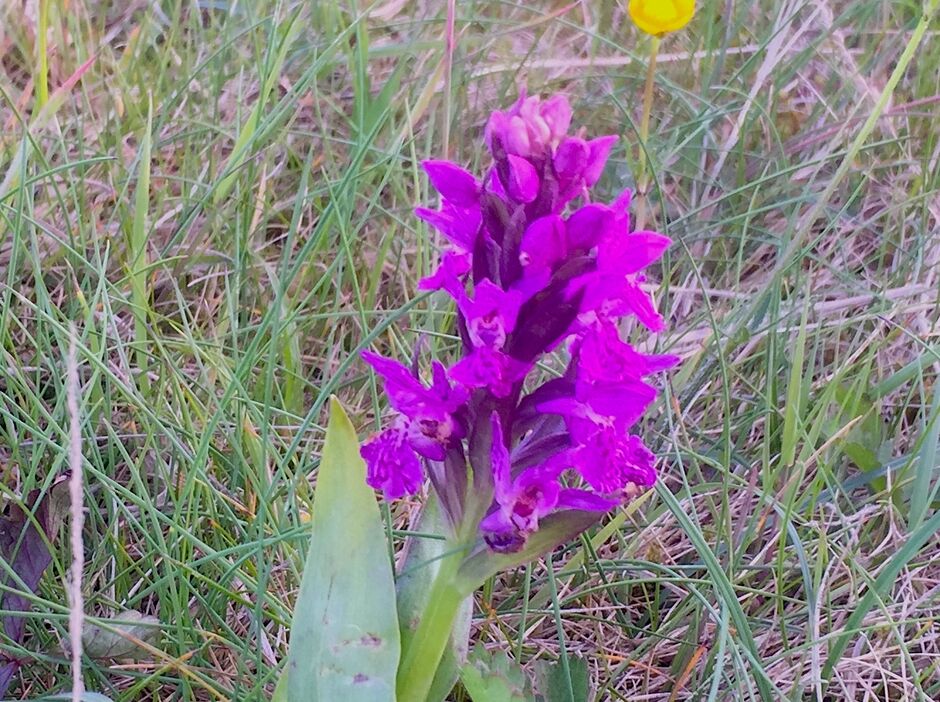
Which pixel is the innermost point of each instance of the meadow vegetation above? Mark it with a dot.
(219, 196)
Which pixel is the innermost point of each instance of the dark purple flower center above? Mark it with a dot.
(488, 330)
(436, 429)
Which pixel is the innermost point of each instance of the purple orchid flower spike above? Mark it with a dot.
(532, 261)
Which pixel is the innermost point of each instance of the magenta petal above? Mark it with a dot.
(499, 459)
(660, 362)
(556, 111)
(405, 392)
(571, 158)
(391, 465)
(486, 368)
(454, 266)
(424, 445)
(523, 183)
(561, 405)
(624, 253)
(603, 356)
(544, 243)
(452, 397)
(459, 224)
(611, 462)
(500, 534)
(491, 314)
(599, 150)
(540, 134)
(496, 522)
(625, 401)
(636, 300)
(453, 182)
(622, 204)
(495, 185)
(584, 500)
(495, 130)
(588, 225)
(517, 137)
(532, 282)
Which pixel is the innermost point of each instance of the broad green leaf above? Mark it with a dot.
(344, 637)
(421, 564)
(551, 684)
(492, 676)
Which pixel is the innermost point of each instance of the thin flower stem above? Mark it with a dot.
(642, 180)
(423, 655)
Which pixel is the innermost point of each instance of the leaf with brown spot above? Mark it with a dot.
(344, 637)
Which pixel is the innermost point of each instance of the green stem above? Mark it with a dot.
(424, 652)
(42, 87)
(641, 180)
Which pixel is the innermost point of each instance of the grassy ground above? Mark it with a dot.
(222, 204)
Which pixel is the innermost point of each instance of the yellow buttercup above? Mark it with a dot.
(657, 17)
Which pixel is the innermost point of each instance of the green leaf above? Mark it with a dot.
(280, 690)
(421, 563)
(551, 684)
(344, 638)
(121, 636)
(792, 412)
(495, 677)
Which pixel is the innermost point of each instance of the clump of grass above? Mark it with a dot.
(790, 550)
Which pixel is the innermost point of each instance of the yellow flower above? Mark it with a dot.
(660, 16)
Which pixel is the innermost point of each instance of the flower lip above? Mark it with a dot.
(491, 314)
(391, 464)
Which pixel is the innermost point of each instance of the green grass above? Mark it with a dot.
(226, 253)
